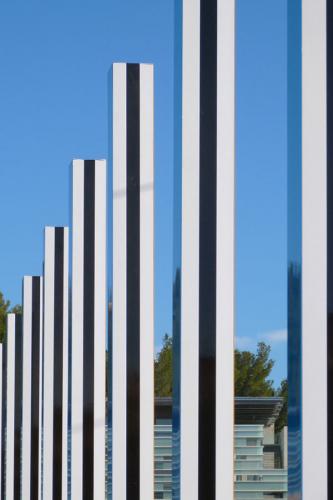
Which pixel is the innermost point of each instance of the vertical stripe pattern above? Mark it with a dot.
(32, 382)
(133, 303)
(329, 31)
(55, 363)
(3, 418)
(2, 400)
(14, 398)
(88, 329)
(203, 385)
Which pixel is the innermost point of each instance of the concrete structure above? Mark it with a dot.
(133, 282)
(309, 249)
(204, 249)
(13, 448)
(32, 386)
(88, 330)
(55, 364)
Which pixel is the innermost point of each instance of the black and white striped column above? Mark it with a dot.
(55, 372)
(310, 247)
(2, 418)
(88, 330)
(133, 282)
(204, 249)
(32, 384)
(14, 352)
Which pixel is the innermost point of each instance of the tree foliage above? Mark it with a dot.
(4, 310)
(163, 369)
(252, 375)
(252, 371)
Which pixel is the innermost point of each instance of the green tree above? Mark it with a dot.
(163, 369)
(282, 392)
(252, 371)
(4, 310)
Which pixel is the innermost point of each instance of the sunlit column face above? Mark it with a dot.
(133, 281)
(204, 249)
(88, 329)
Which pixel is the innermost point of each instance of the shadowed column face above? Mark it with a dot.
(133, 281)
(88, 330)
(35, 386)
(18, 406)
(58, 367)
(207, 248)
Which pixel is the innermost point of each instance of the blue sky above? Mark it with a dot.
(54, 60)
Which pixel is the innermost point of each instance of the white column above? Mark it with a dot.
(1, 400)
(100, 308)
(26, 396)
(119, 285)
(207, 198)
(32, 385)
(146, 281)
(55, 362)
(89, 309)
(314, 253)
(189, 356)
(77, 330)
(133, 185)
(48, 370)
(225, 261)
(10, 406)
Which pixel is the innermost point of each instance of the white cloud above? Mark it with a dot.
(276, 336)
(273, 337)
(246, 342)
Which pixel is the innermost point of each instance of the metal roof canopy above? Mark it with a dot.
(248, 410)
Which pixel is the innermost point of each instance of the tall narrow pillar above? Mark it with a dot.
(88, 330)
(133, 282)
(310, 326)
(2, 418)
(14, 406)
(55, 372)
(32, 384)
(204, 250)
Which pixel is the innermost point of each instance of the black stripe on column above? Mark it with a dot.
(330, 243)
(207, 249)
(88, 329)
(133, 281)
(58, 361)
(4, 417)
(18, 406)
(35, 386)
